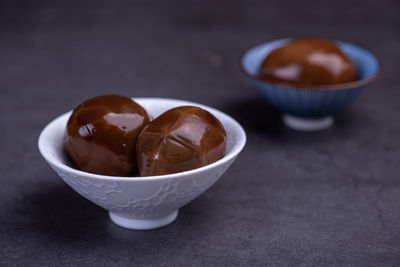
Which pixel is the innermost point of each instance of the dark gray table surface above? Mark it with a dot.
(331, 197)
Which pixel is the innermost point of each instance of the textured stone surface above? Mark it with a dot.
(290, 198)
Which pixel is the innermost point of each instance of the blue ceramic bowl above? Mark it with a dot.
(315, 103)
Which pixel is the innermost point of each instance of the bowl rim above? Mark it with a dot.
(227, 157)
(328, 87)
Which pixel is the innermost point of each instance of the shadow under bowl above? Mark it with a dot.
(310, 108)
(141, 202)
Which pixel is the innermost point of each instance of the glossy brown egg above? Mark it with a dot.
(181, 139)
(102, 133)
(306, 62)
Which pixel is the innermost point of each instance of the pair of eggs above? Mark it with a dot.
(113, 135)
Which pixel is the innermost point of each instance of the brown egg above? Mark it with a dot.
(181, 139)
(308, 61)
(102, 133)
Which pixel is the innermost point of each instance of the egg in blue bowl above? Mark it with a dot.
(313, 80)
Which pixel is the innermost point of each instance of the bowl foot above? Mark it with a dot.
(307, 124)
(142, 224)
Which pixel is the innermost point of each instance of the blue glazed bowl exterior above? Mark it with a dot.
(309, 103)
(318, 101)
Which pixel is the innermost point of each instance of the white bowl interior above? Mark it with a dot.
(51, 139)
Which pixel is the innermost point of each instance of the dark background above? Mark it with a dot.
(331, 197)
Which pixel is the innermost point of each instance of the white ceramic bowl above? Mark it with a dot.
(141, 202)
